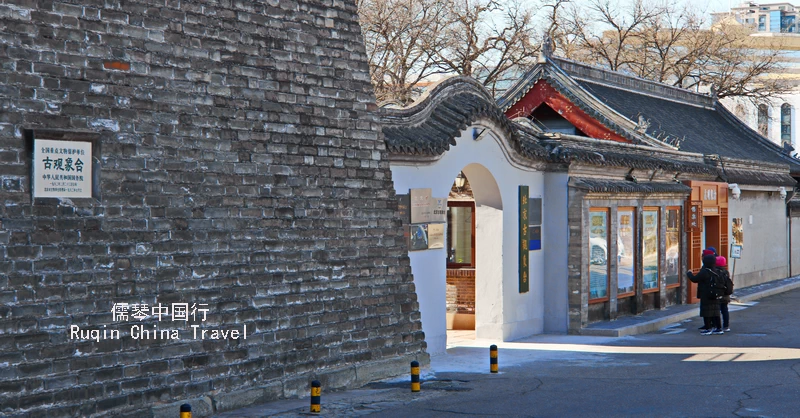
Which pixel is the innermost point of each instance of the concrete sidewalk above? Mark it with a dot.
(656, 319)
(465, 354)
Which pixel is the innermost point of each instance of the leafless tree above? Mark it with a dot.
(660, 41)
(402, 37)
(488, 40)
(410, 40)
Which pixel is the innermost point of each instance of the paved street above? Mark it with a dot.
(754, 371)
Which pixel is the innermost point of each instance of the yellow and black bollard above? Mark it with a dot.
(316, 396)
(493, 358)
(415, 376)
(186, 411)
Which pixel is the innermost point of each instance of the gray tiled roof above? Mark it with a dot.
(703, 130)
(697, 122)
(757, 178)
(612, 186)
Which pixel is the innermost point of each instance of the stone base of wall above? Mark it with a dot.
(296, 386)
(758, 277)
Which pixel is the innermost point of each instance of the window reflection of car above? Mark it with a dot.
(599, 251)
(672, 258)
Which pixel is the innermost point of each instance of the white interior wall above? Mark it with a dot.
(765, 249)
(555, 239)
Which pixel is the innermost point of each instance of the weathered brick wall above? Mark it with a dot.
(460, 297)
(241, 166)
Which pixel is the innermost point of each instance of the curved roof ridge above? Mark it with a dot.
(435, 90)
(598, 109)
(431, 125)
(618, 79)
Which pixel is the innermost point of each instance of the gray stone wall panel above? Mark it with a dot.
(241, 165)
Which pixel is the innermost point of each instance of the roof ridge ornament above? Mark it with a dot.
(547, 48)
(642, 125)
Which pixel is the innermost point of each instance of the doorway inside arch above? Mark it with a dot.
(460, 244)
(474, 243)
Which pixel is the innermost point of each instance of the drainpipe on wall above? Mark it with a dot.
(789, 235)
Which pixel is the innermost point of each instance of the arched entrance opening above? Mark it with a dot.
(474, 253)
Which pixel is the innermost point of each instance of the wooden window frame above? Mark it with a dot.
(680, 243)
(658, 249)
(462, 204)
(606, 298)
(635, 232)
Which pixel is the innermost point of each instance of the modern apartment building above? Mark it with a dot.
(770, 17)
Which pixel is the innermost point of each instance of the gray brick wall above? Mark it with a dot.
(241, 166)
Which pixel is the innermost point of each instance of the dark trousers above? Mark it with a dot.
(726, 316)
(710, 322)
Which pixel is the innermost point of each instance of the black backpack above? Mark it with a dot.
(716, 286)
(726, 277)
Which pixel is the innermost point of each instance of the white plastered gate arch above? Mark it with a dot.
(494, 171)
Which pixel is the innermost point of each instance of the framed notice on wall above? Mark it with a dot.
(62, 168)
(418, 237)
(435, 236)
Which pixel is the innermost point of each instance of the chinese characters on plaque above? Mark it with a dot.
(427, 217)
(62, 168)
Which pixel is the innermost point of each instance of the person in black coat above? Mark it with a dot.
(709, 308)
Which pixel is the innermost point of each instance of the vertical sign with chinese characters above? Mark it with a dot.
(694, 216)
(404, 208)
(524, 280)
(62, 168)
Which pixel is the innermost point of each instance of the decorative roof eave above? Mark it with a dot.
(594, 185)
(564, 149)
(562, 82)
(431, 124)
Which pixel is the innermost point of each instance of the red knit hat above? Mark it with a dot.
(708, 252)
(721, 261)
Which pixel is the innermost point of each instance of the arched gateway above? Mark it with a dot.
(453, 137)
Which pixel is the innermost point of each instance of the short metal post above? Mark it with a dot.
(316, 396)
(186, 411)
(493, 358)
(415, 376)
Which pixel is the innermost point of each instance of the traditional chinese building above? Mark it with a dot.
(631, 180)
(727, 173)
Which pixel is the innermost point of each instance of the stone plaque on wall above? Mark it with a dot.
(62, 168)
(439, 209)
(435, 236)
(421, 206)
